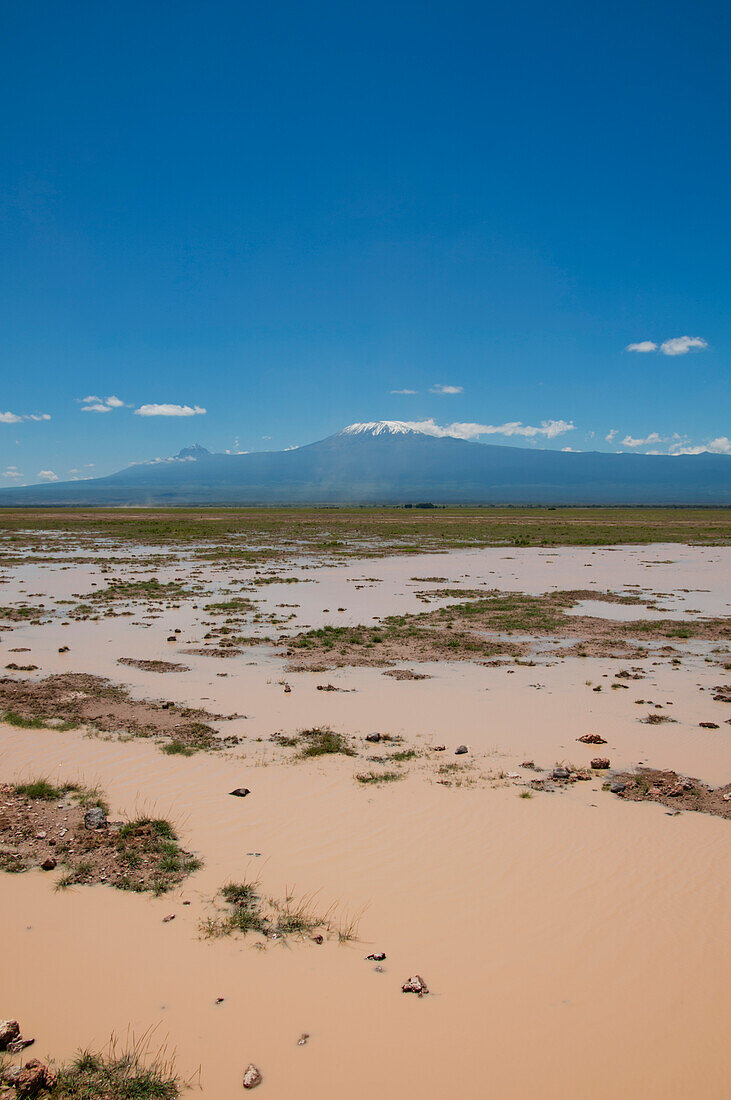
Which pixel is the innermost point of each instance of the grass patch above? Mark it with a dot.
(378, 777)
(118, 1075)
(178, 748)
(322, 741)
(41, 790)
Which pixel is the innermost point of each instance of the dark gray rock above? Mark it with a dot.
(461, 750)
(95, 818)
(240, 792)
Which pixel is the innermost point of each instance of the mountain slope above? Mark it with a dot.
(387, 462)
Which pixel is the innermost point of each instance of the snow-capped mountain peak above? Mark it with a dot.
(381, 427)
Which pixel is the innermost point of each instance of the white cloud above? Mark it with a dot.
(94, 404)
(169, 410)
(719, 446)
(573, 450)
(11, 418)
(409, 393)
(548, 429)
(48, 475)
(611, 435)
(644, 345)
(443, 390)
(653, 437)
(12, 473)
(678, 345)
(681, 345)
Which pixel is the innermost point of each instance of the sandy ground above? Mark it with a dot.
(575, 945)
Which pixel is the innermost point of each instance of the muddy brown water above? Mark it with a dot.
(574, 945)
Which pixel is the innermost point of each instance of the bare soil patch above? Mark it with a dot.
(153, 666)
(46, 826)
(80, 699)
(670, 789)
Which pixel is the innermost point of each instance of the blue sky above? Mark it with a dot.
(283, 215)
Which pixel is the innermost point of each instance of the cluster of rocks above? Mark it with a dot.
(33, 1077)
(676, 791)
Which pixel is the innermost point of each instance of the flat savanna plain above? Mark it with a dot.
(262, 770)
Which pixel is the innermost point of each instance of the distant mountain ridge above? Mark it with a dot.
(388, 462)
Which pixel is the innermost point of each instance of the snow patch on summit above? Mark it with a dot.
(381, 427)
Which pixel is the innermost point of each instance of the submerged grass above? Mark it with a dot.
(248, 910)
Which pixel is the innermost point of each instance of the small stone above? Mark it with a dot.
(240, 792)
(287, 689)
(252, 1077)
(461, 750)
(48, 864)
(415, 985)
(9, 1030)
(560, 773)
(318, 938)
(302, 1039)
(172, 638)
(374, 738)
(592, 739)
(618, 786)
(376, 958)
(439, 748)
(708, 725)
(219, 1000)
(600, 763)
(528, 764)
(19, 1044)
(169, 917)
(95, 818)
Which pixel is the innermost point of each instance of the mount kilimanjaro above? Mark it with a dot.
(388, 462)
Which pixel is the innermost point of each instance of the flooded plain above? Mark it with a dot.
(574, 943)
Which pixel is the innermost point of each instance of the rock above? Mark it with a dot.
(33, 1079)
(378, 957)
(95, 818)
(415, 985)
(560, 773)
(591, 739)
(9, 1030)
(302, 1039)
(461, 750)
(318, 939)
(172, 638)
(240, 792)
(252, 1077)
(600, 763)
(439, 748)
(287, 689)
(19, 1044)
(708, 725)
(169, 917)
(48, 864)
(528, 764)
(618, 786)
(374, 738)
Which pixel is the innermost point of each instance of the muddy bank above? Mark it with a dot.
(81, 699)
(494, 625)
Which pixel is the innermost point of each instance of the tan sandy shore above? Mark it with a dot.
(575, 945)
